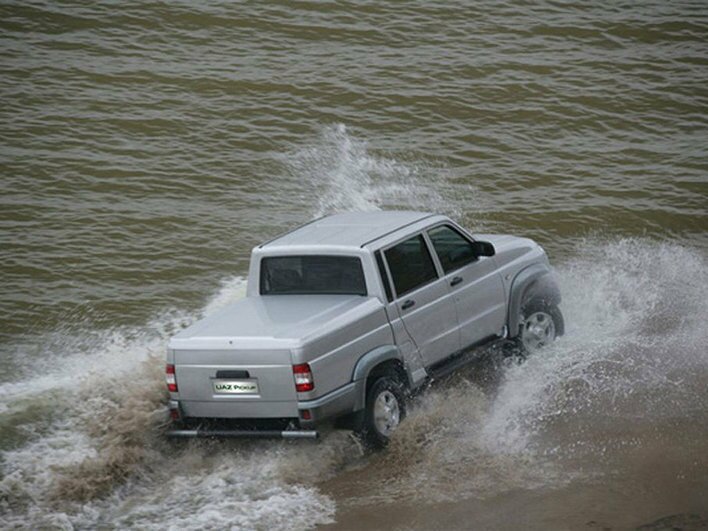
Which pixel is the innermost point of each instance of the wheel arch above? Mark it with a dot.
(534, 281)
(379, 361)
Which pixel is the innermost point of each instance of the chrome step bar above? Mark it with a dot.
(245, 434)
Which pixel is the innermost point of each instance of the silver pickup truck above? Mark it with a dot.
(347, 315)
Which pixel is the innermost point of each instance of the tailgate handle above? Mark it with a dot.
(232, 374)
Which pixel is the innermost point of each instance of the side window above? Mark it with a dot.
(410, 264)
(452, 248)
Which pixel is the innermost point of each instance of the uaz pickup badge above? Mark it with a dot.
(236, 387)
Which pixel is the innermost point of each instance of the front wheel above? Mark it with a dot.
(385, 409)
(540, 324)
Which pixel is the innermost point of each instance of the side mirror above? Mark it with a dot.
(483, 249)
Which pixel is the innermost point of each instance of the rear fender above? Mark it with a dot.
(534, 281)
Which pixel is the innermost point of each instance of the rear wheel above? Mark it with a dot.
(541, 323)
(385, 409)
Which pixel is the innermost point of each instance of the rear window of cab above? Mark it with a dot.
(312, 275)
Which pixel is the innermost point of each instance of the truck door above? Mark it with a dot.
(423, 300)
(475, 283)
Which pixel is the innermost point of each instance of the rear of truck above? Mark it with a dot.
(243, 391)
(275, 364)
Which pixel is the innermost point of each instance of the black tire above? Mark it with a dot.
(384, 389)
(536, 312)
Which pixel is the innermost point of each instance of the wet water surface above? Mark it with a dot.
(146, 147)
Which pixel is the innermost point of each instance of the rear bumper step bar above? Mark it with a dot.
(245, 434)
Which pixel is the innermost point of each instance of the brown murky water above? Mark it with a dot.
(146, 147)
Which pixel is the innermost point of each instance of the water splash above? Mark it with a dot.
(90, 450)
(231, 290)
(633, 361)
(343, 173)
(634, 339)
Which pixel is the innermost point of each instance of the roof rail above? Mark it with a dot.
(397, 229)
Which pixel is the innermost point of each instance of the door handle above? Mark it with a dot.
(408, 304)
(455, 281)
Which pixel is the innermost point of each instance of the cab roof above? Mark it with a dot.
(351, 229)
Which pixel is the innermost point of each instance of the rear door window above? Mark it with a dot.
(452, 248)
(410, 264)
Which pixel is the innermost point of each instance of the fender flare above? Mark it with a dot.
(369, 361)
(535, 280)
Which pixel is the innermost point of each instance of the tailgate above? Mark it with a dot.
(236, 383)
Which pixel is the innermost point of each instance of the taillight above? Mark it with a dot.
(303, 378)
(170, 378)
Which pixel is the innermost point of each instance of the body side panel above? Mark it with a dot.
(480, 300)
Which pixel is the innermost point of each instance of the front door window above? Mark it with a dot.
(453, 249)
